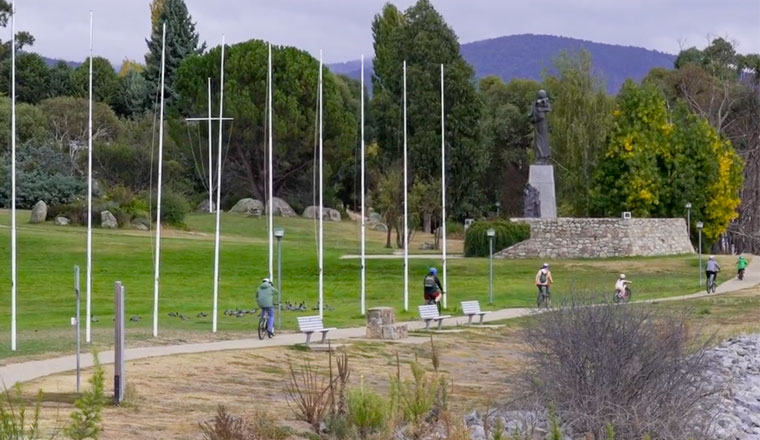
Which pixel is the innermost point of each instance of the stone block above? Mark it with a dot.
(541, 177)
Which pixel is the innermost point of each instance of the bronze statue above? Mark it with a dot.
(538, 116)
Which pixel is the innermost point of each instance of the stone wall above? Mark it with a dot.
(600, 238)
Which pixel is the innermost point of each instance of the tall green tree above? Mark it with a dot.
(421, 37)
(60, 80)
(580, 120)
(506, 133)
(32, 77)
(131, 97)
(105, 83)
(657, 159)
(295, 78)
(181, 42)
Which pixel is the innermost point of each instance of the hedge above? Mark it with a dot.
(507, 234)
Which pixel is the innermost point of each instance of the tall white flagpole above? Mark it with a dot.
(210, 162)
(321, 217)
(217, 244)
(88, 316)
(406, 212)
(269, 173)
(364, 226)
(443, 193)
(158, 207)
(13, 176)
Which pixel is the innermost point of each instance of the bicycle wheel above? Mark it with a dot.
(263, 325)
(616, 297)
(628, 294)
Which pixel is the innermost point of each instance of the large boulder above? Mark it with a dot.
(62, 221)
(327, 213)
(248, 206)
(375, 218)
(203, 206)
(39, 212)
(107, 220)
(281, 208)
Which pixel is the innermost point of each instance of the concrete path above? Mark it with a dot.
(26, 371)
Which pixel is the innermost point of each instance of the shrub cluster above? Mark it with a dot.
(507, 234)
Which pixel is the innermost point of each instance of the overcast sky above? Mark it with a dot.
(341, 28)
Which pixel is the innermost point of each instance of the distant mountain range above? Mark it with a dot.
(527, 55)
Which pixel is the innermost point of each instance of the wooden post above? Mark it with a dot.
(119, 380)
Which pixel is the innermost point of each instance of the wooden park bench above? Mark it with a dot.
(430, 313)
(472, 308)
(311, 324)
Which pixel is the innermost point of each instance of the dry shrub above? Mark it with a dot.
(226, 426)
(630, 367)
(308, 394)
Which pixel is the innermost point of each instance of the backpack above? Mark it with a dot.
(430, 281)
(543, 276)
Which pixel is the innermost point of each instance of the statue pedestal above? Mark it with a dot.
(541, 177)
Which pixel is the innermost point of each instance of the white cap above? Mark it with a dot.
(265, 280)
(622, 276)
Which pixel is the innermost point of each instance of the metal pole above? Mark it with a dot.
(688, 223)
(269, 173)
(13, 176)
(490, 267)
(217, 243)
(700, 257)
(443, 196)
(364, 226)
(77, 327)
(321, 203)
(279, 283)
(158, 196)
(119, 381)
(88, 334)
(406, 216)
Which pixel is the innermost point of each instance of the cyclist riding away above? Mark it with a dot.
(711, 269)
(433, 287)
(265, 300)
(544, 279)
(620, 286)
(740, 266)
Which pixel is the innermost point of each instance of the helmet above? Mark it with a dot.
(545, 265)
(712, 257)
(622, 276)
(433, 271)
(266, 280)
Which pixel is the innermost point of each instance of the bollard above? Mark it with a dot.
(119, 380)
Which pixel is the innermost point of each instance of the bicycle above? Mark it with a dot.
(624, 297)
(544, 298)
(711, 283)
(264, 324)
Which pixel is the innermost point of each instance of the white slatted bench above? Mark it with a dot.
(311, 324)
(472, 308)
(430, 313)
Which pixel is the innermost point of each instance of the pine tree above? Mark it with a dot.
(181, 42)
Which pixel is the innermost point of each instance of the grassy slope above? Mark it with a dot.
(47, 255)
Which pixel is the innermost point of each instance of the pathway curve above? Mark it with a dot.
(26, 371)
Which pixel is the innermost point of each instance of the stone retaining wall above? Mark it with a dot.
(601, 238)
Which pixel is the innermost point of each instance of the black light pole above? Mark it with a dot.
(699, 228)
(279, 233)
(491, 234)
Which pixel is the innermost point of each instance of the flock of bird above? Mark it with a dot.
(238, 313)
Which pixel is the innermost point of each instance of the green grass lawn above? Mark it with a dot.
(47, 255)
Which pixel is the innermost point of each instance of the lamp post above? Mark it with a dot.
(498, 208)
(688, 219)
(491, 234)
(699, 228)
(279, 233)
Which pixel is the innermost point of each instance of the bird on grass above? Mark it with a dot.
(202, 315)
(173, 314)
(134, 318)
(94, 319)
(183, 317)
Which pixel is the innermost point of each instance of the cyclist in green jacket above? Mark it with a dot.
(265, 300)
(740, 266)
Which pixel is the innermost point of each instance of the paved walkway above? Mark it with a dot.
(26, 371)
